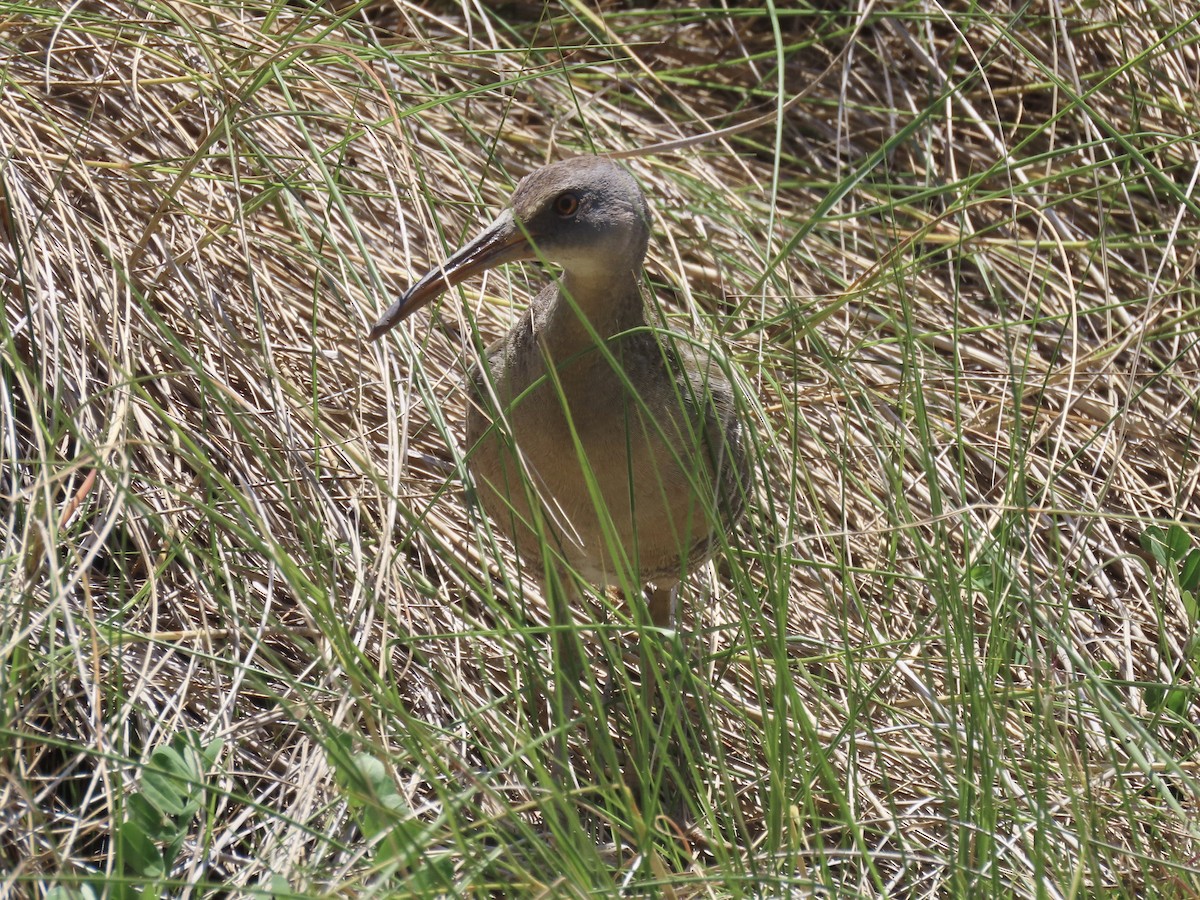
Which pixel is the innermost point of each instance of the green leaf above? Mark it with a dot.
(1178, 542)
(383, 813)
(1163, 698)
(278, 887)
(1155, 696)
(982, 577)
(210, 753)
(382, 787)
(1189, 574)
(1154, 542)
(1178, 700)
(431, 878)
(80, 892)
(148, 818)
(139, 854)
(371, 769)
(383, 803)
(1190, 607)
(165, 782)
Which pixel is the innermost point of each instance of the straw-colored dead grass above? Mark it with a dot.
(973, 348)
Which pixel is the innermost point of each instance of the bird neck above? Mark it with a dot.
(582, 309)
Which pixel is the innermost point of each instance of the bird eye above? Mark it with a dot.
(566, 204)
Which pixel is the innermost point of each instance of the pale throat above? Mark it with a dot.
(610, 300)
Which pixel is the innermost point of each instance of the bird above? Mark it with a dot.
(600, 440)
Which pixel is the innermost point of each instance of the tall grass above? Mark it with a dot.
(256, 635)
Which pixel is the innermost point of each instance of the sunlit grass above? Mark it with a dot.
(256, 635)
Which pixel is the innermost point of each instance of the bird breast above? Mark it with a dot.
(564, 453)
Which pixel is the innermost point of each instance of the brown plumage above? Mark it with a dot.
(590, 423)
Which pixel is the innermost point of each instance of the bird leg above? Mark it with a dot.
(662, 604)
(662, 608)
(566, 649)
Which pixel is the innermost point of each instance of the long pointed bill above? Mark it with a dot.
(503, 241)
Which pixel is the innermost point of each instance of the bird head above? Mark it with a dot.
(586, 214)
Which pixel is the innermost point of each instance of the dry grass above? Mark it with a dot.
(958, 279)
